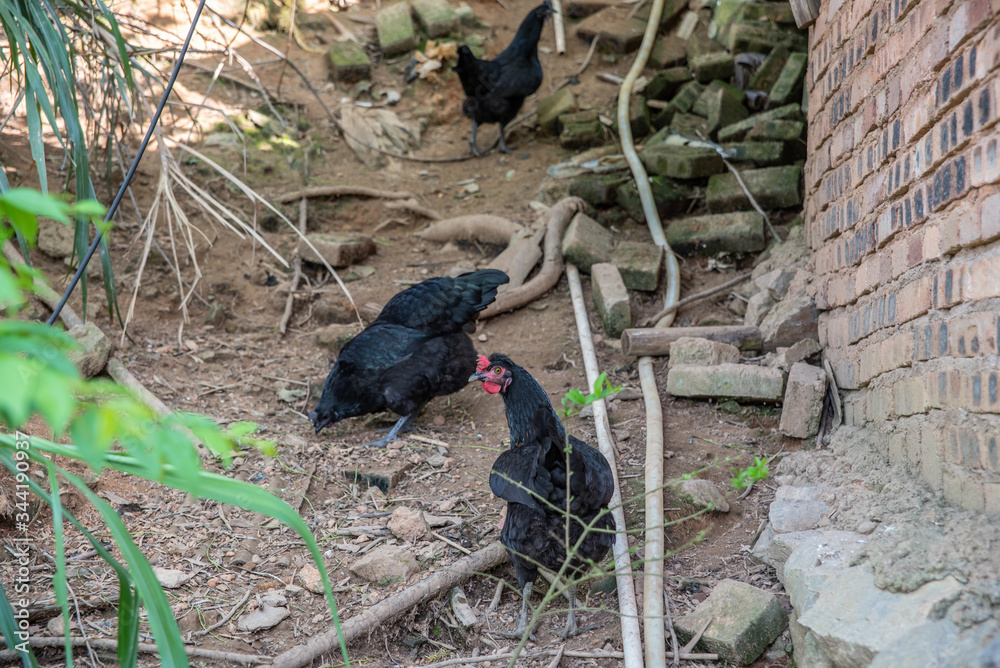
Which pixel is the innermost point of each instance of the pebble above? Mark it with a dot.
(482, 337)
(439, 420)
(511, 173)
(472, 188)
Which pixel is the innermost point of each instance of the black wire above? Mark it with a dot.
(131, 170)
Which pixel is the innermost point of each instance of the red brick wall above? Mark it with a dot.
(903, 213)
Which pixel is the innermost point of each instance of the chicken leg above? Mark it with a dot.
(503, 143)
(472, 142)
(404, 423)
(522, 620)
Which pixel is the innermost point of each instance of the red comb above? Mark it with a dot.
(483, 362)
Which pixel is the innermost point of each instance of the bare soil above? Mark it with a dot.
(233, 366)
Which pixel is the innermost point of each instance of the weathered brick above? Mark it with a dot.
(610, 299)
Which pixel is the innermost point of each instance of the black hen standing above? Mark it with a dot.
(534, 468)
(495, 89)
(413, 351)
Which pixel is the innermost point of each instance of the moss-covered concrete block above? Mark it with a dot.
(703, 103)
(618, 34)
(639, 264)
(395, 29)
(761, 38)
(724, 109)
(666, 83)
(670, 197)
(580, 129)
(661, 118)
(788, 86)
(436, 17)
(776, 131)
(761, 153)
(610, 299)
(689, 125)
(667, 51)
(552, 107)
(682, 162)
(731, 381)
(737, 131)
(736, 232)
(699, 45)
(349, 62)
(777, 12)
(586, 243)
(769, 70)
(597, 190)
(686, 95)
(638, 117)
(772, 187)
(702, 352)
(714, 65)
(744, 621)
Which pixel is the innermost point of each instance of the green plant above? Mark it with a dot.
(751, 474)
(108, 428)
(575, 397)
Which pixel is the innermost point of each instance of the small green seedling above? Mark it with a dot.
(575, 397)
(751, 474)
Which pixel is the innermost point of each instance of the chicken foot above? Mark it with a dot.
(571, 628)
(522, 620)
(404, 423)
(503, 143)
(472, 142)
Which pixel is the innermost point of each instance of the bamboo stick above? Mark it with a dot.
(640, 342)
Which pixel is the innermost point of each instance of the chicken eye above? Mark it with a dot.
(497, 370)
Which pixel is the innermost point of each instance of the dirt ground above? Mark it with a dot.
(231, 364)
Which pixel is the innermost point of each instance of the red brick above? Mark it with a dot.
(909, 397)
(985, 162)
(989, 218)
(931, 453)
(913, 300)
(968, 17)
(982, 280)
(946, 286)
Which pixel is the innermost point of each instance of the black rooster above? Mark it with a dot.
(532, 478)
(413, 351)
(495, 89)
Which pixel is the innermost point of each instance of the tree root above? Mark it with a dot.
(341, 191)
(479, 227)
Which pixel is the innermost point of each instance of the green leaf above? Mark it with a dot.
(9, 628)
(128, 625)
(55, 400)
(59, 581)
(37, 203)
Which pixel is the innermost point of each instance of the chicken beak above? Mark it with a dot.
(477, 376)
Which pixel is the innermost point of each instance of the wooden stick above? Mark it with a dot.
(145, 648)
(639, 342)
(695, 297)
(478, 562)
(652, 610)
(558, 219)
(559, 27)
(340, 191)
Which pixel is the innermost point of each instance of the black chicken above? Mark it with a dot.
(413, 351)
(495, 89)
(535, 468)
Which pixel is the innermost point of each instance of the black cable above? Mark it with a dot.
(131, 170)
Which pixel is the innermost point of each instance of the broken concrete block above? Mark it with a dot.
(638, 117)
(671, 8)
(788, 86)
(639, 264)
(552, 107)
(598, 190)
(786, 358)
(699, 45)
(586, 243)
(686, 95)
(738, 131)
(349, 62)
(339, 249)
(384, 479)
(702, 494)
(670, 197)
(618, 33)
(610, 298)
(581, 129)
(769, 70)
(702, 352)
(803, 404)
(436, 17)
(776, 282)
(777, 12)
(772, 187)
(742, 382)
(682, 162)
(744, 621)
(761, 153)
(703, 102)
(395, 29)
(663, 117)
(760, 38)
(724, 109)
(714, 65)
(737, 232)
(777, 131)
(758, 307)
(689, 125)
(789, 321)
(667, 51)
(666, 83)
(94, 351)
(385, 565)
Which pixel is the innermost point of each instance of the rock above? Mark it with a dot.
(666, 83)
(638, 117)
(682, 162)
(395, 29)
(744, 621)
(702, 352)
(700, 45)
(464, 613)
(735, 381)
(758, 307)
(349, 62)
(761, 153)
(772, 187)
(667, 51)
(586, 243)
(639, 264)
(789, 321)
(686, 96)
(597, 190)
(724, 109)
(94, 351)
(803, 405)
(618, 34)
(338, 248)
(436, 17)
(797, 509)
(793, 252)
(264, 617)
(552, 107)
(768, 72)
(310, 578)
(776, 282)
(944, 644)
(689, 125)
(334, 337)
(737, 232)
(55, 239)
(670, 197)
(385, 564)
(581, 129)
(333, 308)
(709, 66)
(702, 494)
(171, 578)
(385, 479)
(738, 131)
(788, 86)
(610, 298)
(408, 524)
(785, 358)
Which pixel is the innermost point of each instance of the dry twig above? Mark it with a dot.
(695, 297)
(144, 648)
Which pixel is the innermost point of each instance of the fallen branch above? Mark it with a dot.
(413, 206)
(296, 260)
(341, 191)
(222, 622)
(481, 561)
(538, 654)
(695, 297)
(144, 648)
(479, 227)
(653, 341)
(552, 266)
